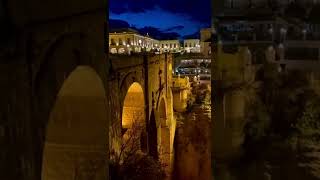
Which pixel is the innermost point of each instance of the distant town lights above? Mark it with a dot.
(283, 31)
(270, 30)
(281, 45)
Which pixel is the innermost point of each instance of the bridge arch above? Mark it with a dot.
(133, 118)
(65, 65)
(113, 51)
(131, 77)
(163, 133)
(76, 133)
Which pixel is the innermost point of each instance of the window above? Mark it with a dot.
(113, 42)
(120, 41)
(129, 41)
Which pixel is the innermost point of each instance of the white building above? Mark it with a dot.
(126, 41)
(191, 45)
(170, 45)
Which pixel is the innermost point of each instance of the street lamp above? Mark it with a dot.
(304, 32)
(271, 33)
(140, 42)
(283, 33)
(270, 30)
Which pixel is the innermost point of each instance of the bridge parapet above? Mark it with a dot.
(134, 60)
(153, 72)
(233, 68)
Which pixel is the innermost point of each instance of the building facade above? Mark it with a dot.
(170, 45)
(247, 39)
(205, 44)
(181, 91)
(127, 41)
(196, 69)
(191, 45)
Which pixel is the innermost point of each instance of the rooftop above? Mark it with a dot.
(123, 30)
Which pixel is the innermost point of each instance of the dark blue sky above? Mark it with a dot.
(172, 17)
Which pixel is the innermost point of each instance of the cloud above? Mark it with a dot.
(195, 35)
(199, 10)
(162, 19)
(158, 34)
(133, 6)
(117, 24)
(175, 28)
(152, 31)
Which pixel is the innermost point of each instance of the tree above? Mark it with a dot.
(258, 122)
(131, 162)
(308, 125)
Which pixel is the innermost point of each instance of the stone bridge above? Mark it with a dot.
(141, 92)
(55, 106)
(234, 69)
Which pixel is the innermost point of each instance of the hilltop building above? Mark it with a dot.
(128, 41)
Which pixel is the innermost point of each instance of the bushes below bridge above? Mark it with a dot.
(138, 167)
(283, 122)
(286, 106)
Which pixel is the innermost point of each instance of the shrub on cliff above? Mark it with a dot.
(308, 125)
(132, 162)
(258, 122)
(138, 167)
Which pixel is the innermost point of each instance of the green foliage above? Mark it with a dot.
(258, 121)
(132, 162)
(308, 126)
(285, 104)
(284, 95)
(138, 167)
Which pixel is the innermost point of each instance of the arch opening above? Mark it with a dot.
(113, 51)
(164, 135)
(133, 119)
(76, 136)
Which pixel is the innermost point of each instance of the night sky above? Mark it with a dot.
(162, 19)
